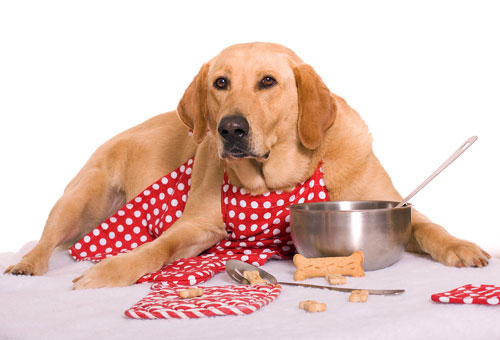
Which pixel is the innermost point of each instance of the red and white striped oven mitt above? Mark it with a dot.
(164, 301)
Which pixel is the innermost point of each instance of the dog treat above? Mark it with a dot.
(336, 279)
(254, 278)
(358, 296)
(191, 293)
(321, 266)
(312, 306)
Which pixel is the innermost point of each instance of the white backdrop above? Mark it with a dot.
(425, 76)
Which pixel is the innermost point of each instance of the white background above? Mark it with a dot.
(424, 75)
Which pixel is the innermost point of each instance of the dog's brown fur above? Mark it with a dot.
(293, 126)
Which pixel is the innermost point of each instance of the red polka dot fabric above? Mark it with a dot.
(141, 220)
(258, 226)
(470, 294)
(188, 271)
(164, 302)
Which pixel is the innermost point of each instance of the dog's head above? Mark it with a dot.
(253, 97)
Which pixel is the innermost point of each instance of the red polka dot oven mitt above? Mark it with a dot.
(470, 294)
(164, 301)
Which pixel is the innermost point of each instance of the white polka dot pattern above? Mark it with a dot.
(141, 220)
(164, 302)
(470, 294)
(188, 271)
(258, 226)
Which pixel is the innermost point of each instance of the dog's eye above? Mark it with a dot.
(221, 83)
(267, 82)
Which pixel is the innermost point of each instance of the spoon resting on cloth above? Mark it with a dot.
(235, 269)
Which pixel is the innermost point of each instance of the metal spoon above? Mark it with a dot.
(235, 269)
(454, 156)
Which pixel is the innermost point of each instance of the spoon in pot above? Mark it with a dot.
(454, 156)
(235, 269)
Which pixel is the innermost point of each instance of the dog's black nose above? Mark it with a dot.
(233, 128)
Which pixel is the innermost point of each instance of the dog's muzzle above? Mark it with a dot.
(234, 133)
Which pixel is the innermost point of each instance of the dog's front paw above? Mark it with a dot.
(28, 266)
(460, 253)
(112, 272)
(22, 268)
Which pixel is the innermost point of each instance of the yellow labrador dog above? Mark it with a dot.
(263, 114)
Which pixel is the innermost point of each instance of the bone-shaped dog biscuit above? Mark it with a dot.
(253, 277)
(336, 279)
(321, 266)
(191, 293)
(312, 306)
(358, 296)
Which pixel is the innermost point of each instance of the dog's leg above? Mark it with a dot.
(188, 237)
(426, 236)
(85, 203)
(199, 228)
(434, 240)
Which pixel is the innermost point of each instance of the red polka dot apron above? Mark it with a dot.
(258, 227)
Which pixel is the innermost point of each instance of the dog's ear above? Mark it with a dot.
(192, 108)
(317, 109)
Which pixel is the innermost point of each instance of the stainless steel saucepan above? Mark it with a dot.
(381, 229)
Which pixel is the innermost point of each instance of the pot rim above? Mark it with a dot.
(302, 207)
